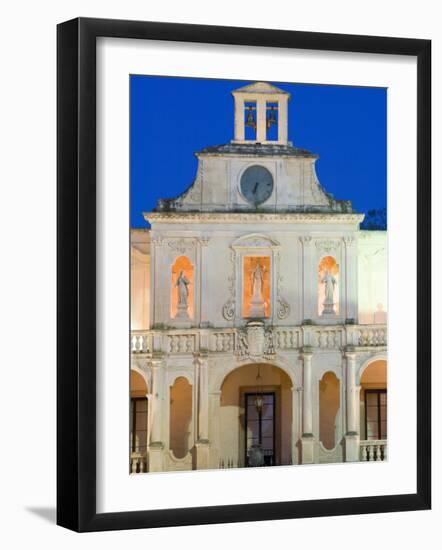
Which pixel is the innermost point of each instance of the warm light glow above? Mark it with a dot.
(182, 263)
(250, 264)
(328, 263)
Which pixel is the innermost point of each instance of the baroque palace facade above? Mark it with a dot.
(258, 330)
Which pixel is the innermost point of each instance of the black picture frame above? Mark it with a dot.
(76, 273)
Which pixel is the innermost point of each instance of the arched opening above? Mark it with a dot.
(373, 401)
(328, 286)
(329, 405)
(182, 289)
(138, 422)
(180, 417)
(256, 417)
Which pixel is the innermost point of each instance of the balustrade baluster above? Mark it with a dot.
(378, 453)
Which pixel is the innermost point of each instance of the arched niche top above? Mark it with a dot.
(221, 377)
(255, 240)
(174, 376)
(379, 357)
(138, 382)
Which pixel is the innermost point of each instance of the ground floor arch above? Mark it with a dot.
(256, 416)
(138, 421)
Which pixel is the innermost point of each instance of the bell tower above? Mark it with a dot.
(261, 114)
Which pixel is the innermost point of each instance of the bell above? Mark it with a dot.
(250, 119)
(271, 118)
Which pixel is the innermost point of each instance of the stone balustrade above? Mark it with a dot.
(141, 341)
(372, 335)
(231, 340)
(138, 463)
(373, 450)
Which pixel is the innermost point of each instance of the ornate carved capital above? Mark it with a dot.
(229, 308)
(305, 239)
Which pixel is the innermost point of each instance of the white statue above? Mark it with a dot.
(182, 284)
(257, 283)
(257, 305)
(329, 282)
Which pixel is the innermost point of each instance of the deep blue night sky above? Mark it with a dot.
(171, 118)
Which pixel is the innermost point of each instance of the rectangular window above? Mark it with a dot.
(376, 414)
(138, 424)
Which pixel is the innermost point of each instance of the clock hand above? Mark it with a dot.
(255, 188)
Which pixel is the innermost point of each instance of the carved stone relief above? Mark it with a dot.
(229, 307)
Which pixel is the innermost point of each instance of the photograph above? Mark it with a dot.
(258, 274)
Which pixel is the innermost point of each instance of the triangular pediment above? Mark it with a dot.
(260, 88)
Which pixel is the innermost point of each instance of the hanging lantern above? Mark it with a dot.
(259, 399)
(259, 403)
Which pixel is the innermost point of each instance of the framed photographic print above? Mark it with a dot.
(243, 274)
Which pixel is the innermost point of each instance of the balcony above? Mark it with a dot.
(231, 340)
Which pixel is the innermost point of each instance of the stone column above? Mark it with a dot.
(307, 439)
(215, 428)
(239, 119)
(309, 294)
(156, 444)
(296, 417)
(261, 120)
(282, 121)
(202, 411)
(352, 392)
(351, 278)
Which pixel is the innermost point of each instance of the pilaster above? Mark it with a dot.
(156, 443)
(352, 393)
(307, 439)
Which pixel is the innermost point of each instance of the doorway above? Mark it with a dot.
(260, 430)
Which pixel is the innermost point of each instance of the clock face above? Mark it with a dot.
(256, 184)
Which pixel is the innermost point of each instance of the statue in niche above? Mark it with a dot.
(329, 283)
(257, 308)
(182, 285)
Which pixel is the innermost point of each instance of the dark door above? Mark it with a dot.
(260, 427)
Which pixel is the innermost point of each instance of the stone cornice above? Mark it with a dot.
(253, 217)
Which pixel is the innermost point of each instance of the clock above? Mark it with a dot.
(256, 184)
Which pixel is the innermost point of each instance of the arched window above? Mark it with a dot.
(374, 401)
(329, 404)
(180, 417)
(328, 286)
(138, 413)
(182, 289)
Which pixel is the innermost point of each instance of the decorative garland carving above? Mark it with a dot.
(181, 245)
(327, 245)
(282, 306)
(229, 307)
